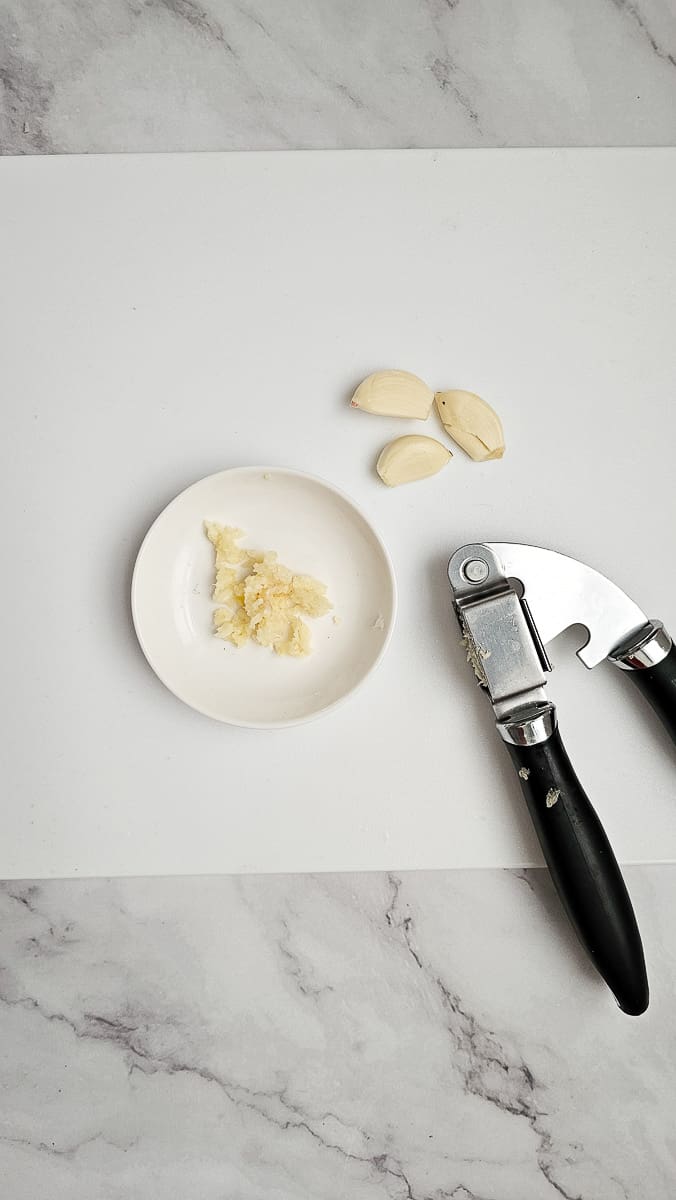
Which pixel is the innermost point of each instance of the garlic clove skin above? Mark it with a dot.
(472, 423)
(394, 394)
(410, 458)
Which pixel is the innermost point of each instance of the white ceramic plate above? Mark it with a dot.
(316, 530)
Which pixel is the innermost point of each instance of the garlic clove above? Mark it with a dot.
(409, 458)
(394, 394)
(472, 423)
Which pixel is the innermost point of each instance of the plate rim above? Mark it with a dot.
(298, 474)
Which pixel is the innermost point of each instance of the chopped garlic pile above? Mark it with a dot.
(263, 600)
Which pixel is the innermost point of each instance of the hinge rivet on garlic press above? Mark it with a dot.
(476, 570)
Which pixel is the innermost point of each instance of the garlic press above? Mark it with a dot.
(511, 600)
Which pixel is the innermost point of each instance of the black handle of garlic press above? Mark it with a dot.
(658, 685)
(583, 868)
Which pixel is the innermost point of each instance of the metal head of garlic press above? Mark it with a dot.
(511, 600)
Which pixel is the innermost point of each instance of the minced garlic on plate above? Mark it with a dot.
(262, 600)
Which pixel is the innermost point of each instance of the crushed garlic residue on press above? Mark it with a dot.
(552, 796)
(524, 772)
(475, 658)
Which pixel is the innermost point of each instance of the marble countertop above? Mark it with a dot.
(424, 1037)
(132, 75)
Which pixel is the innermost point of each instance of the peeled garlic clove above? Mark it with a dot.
(394, 394)
(409, 458)
(472, 423)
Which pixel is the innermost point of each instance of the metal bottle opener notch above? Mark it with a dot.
(511, 600)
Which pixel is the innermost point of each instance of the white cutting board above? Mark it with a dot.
(164, 317)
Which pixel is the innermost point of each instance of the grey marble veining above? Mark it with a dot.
(429, 1037)
(145, 75)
